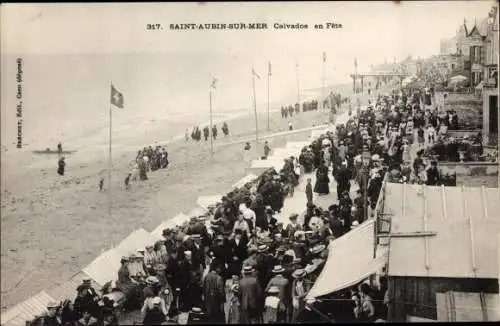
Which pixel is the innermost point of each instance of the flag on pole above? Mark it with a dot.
(255, 74)
(324, 56)
(214, 81)
(355, 62)
(269, 69)
(116, 97)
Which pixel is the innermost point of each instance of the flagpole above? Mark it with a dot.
(255, 107)
(268, 83)
(324, 86)
(298, 84)
(211, 126)
(109, 163)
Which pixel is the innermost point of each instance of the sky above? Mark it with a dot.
(372, 31)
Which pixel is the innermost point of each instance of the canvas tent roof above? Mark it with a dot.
(465, 220)
(297, 144)
(207, 201)
(350, 260)
(27, 310)
(138, 239)
(259, 166)
(317, 133)
(246, 179)
(67, 290)
(286, 152)
(196, 211)
(104, 268)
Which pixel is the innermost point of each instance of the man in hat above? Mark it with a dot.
(309, 191)
(299, 292)
(284, 287)
(61, 165)
(271, 221)
(293, 226)
(267, 150)
(264, 263)
(53, 317)
(252, 297)
(433, 175)
(238, 246)
(214, 295)
(343, 177)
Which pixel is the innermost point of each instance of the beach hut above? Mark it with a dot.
(297, 144)
(138, 239)
(67, 290)
(208, 201)
(104, 268)
(27, 310)
(157, 234)
(259, 166)
(286, 152)
(196, 211)
(354, 251)
(317, 133)
(440, 241)
(243, 181)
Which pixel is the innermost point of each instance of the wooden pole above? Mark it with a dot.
(255, 108)
(211, 126)
(298, 83)
(324, 85)
(268, 87)
(110, 156)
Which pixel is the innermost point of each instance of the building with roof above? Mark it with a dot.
(489, 87)
(439, 241)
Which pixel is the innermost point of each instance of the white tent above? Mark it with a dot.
(26, 310)
(350, 260)
(104, 268)
(208, 201)
(259, 166)
(179, 219)
(297, 144)
(138, 239)
(157, 234)
(246, 179)
(317, 133)
(285, 152)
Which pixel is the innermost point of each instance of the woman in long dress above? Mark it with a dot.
(322, 180)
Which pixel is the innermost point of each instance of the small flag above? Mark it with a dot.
(116, 97)
(255, 74)
(214, 81)
(269, 69)
(355, 62)
(324, 56)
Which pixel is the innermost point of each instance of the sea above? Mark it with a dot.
(66, 97)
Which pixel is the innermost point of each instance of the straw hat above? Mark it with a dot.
(278, 269)
(299, 273)
(152, 280)
(52, 304)
(273, 290)
(196, 310)
(317, 249)
(262, 248)
(247, 269)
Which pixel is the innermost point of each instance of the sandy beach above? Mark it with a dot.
(53, 226)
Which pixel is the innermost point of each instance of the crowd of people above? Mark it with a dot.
(238, 264)
(196, 133)
(148, 159)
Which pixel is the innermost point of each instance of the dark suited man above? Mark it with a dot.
(251, 297)
(343, 177)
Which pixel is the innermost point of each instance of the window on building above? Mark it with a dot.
(452, 66)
